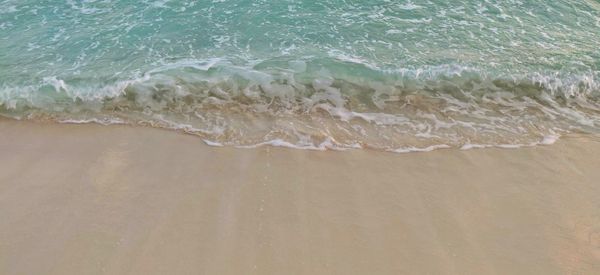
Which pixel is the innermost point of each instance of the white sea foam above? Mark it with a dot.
(101, 121)
(417, 149)
(550, 139)
(403, 111)
(212, 143)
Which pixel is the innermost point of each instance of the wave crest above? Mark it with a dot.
(326, 103)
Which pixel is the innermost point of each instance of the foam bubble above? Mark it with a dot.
(306, 105)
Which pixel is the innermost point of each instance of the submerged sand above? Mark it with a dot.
(88, 199)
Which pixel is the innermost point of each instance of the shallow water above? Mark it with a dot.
(389, 75)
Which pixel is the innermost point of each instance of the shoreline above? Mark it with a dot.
(325, 146)
(138, 200)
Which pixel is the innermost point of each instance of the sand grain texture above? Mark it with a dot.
(86, 199)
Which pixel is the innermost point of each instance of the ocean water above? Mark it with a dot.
(332, 74)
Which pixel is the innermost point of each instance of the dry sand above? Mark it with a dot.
(86, 199)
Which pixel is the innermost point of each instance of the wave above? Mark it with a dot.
(325, 103)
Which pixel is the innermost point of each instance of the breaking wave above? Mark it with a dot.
(325, 103)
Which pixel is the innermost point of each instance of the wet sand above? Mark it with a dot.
(88, 199)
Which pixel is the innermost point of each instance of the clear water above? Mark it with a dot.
(389, 75)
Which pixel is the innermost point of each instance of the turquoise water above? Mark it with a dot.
(389, 75)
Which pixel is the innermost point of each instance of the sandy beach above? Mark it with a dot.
(90, 199)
